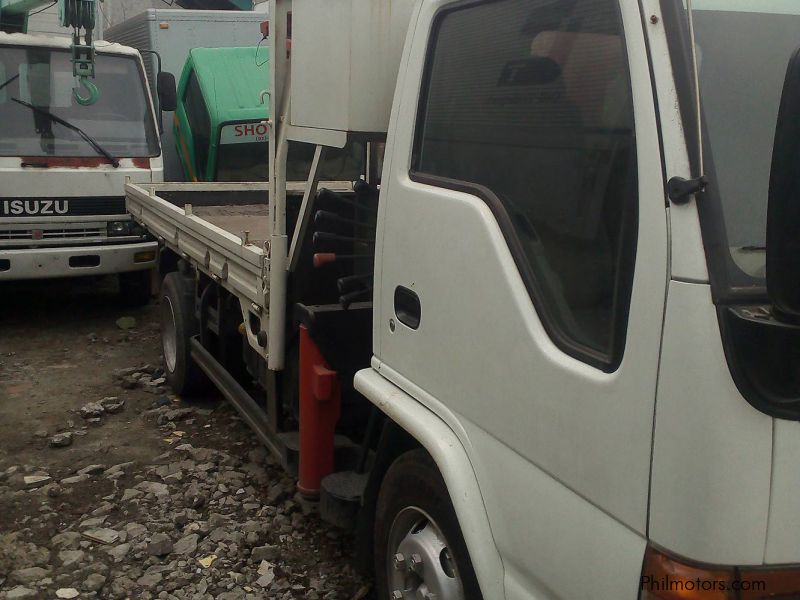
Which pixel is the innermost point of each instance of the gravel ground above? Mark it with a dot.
(112, 487)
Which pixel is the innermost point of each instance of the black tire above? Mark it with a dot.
(177, 315)
(135, 287)
(414, 485)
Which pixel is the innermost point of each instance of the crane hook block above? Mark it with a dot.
(81, 15)
(93, 95)
(78, 14)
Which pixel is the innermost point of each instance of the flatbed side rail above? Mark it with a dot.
(239, 267)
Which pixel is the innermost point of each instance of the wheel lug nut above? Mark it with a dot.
(416, 562)
(399, 562)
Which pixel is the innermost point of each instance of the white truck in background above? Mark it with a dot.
(62, 209)
(68, 144)
(556, 353)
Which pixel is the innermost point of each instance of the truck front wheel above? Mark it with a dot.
(178, 325)
(419, 549)
(135, 287)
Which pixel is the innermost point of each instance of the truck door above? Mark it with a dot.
(522, 273)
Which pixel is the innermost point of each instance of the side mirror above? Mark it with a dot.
(783, 213)
(167, 93)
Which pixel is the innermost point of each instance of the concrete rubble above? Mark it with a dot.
(60, 440)
(92, 410)
(213, 517)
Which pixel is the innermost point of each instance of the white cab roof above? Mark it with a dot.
(23, 39)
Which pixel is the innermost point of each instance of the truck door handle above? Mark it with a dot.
(407, 307)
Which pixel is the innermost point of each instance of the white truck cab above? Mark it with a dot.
(63, 165)
(580, 357)
(590, 346)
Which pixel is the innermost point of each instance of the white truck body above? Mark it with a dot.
(55, 210)
(568, 462)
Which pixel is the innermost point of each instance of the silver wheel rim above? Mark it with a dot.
(169, 335)
(419, 564)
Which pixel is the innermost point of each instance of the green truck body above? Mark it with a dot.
(220, 124)
(220, 89)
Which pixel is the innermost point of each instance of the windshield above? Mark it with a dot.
(743, 49)
(248, 162)
(120, 121)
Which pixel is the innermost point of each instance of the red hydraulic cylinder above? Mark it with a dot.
(320, 406)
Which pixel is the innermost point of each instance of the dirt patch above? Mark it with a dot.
(156, 498)
(59, 344)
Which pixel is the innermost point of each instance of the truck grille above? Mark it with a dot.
(55, 234)
(72, 233)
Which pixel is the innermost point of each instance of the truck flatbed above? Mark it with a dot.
(220, 228)
(237, 219)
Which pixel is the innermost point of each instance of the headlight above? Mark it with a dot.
(118, 228)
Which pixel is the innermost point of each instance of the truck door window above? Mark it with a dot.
(199, 122)
(527, 103)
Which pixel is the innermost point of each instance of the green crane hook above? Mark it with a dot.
(92, 97)
(80, 15)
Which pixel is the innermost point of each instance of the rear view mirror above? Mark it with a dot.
(167, 93)
(783, 214)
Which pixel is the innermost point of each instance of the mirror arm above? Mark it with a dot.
(680, 190)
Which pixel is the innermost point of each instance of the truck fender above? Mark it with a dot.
(453, 462)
